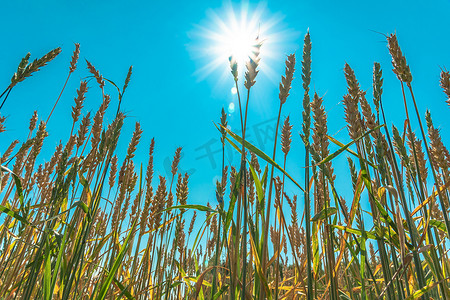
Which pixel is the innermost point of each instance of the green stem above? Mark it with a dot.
(267, 220)
(57, 100)
(244, 199)
(308, 227)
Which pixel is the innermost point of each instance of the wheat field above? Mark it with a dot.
(85, 224)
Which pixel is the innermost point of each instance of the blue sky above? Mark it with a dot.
(177, 104)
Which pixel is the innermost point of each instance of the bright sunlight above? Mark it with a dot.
(233, 32)
(238, 39)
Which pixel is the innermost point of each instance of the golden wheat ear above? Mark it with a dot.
(401, 68)
(445, 84)
(2, 125)
(96, 74)
(79, 101)
(286, 81)
(252, 64)
(26, 70)
(75, 56)
(286, 134)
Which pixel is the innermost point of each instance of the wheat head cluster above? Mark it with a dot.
(89, 223)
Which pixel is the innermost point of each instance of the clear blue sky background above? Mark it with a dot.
(176, 104)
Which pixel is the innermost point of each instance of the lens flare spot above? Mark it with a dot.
(234, 90)
(231, 108)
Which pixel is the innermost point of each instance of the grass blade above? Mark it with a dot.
(115, 266)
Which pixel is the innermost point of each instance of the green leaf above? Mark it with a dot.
(362, 267)
(367, 234)
(84, 207)
(123, 289)
(356, 198)
(258, 267)
(439, 225)
(13, 214)
(329, 211)
(192, 206)
(421, 292)
(234, 194)
(258, 185)
(58, 261)
(47, 271)
(345, 147)
(17, 181)
(220, 292)
(19, 188)
(116, 265)
(260, 153)
(315, 248)
(79, 203)
(202, 231)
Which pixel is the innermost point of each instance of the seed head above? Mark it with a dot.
(134, 141)
(127, 79)
(96, 74)
(445, 84)
(377, 85)
(176, 161)
(79, 100)
(75, 56)
(223, 123)
(352, 82)
(306, 78)
(286, 135)
(252, 64)
(25, 70)
(401, 69)
(33, 121)
(286, 80)
(234, 67)
(182, 189)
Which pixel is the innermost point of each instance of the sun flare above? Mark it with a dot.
(238, 41)
(233, 31)
(235, 35)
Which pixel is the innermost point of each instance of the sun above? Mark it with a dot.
(238, 40)
(233, 31)
(240, 46)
